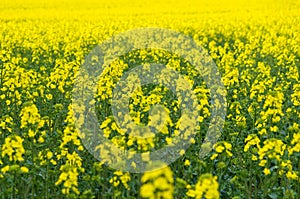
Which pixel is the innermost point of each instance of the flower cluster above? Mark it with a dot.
(255, 48)
(157, 184)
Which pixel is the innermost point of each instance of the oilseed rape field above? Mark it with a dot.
(150, 99)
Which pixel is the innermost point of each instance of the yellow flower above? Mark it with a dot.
(147, 190)
(118, 177)
(220, 149)
(157, 184)
(24, 169)
(214, 156)
(30, 116)
(207, 186)
(182, 152)
(192, 141)
(5, 169)
(274, 128)
(49, 154)
(295, 144)
(41, 140)
(251, 140)
(187, 163)
(254, 158)
(222, 146)
(31, 133)
(267, 171)
(262, 163)
(292, 175)
(13, 148)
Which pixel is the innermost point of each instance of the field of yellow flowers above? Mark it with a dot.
(255, 46)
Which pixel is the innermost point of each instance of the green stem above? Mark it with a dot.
(32, 159)
(251, 179)
(46, 181)
(298, 187)
(14, 186)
